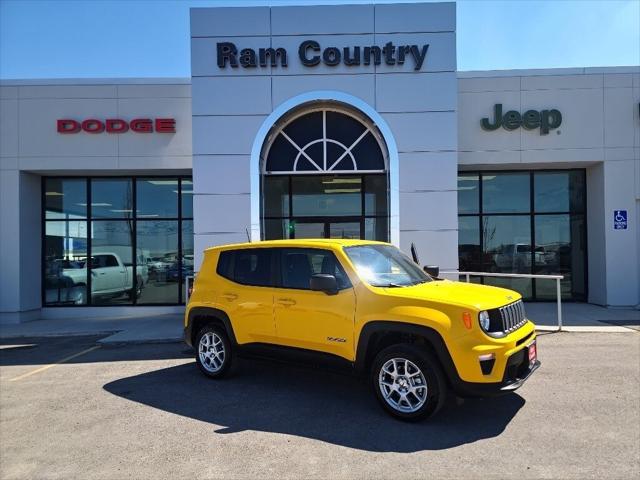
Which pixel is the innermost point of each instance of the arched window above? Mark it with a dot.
(327, 139)
(325, 175)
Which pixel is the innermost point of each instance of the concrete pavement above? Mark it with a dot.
(168, 328)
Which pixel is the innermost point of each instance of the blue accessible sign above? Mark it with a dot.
(619, 219)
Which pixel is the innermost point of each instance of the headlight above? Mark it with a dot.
(483, 318)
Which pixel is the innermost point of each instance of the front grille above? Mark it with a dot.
(513, 316)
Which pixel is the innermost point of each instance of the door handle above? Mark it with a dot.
(286, 301)
(230, 296)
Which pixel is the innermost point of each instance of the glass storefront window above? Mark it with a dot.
(65, 263)
(65, 199)
(111, 198)
(505, 192)
(468, 197)
(470, 255)
(187, 198)
(157, 246)
(157, 198)
(516, 230)
(111, 265)
(90, 260)
(559, 191)
(187, 249)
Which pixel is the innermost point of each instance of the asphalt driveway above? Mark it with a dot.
(144, 411)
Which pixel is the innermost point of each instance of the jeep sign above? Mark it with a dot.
(117, 125)
(545, 120)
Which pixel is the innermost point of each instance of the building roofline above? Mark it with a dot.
(96, 81)
(547, 71)
(187, 80)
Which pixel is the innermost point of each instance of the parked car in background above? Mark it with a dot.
(110, 278)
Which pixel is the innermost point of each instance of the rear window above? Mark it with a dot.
(247, 266)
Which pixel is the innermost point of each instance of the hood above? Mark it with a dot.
(481, 297)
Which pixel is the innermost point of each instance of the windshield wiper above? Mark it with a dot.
(390, 285)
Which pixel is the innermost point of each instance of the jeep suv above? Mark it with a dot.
(415, 336)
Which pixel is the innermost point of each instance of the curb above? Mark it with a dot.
(105, 342)
(585, 329)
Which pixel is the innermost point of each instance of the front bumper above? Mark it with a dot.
(517, 371)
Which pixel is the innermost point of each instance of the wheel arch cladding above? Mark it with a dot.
(201, 316)
(377, 335)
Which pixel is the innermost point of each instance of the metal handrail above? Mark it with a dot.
(557, 278)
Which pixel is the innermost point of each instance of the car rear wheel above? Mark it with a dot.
(213, 352)
(408, 382)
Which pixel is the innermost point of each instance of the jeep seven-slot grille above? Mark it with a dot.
(513, 316)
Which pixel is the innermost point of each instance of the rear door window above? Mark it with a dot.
(251, 266)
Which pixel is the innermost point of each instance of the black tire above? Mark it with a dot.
(209, 366)
(436, 386)
(137, 291)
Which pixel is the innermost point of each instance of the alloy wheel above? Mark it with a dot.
(403, 385)
(211, 352)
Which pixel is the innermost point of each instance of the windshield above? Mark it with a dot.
(385, 266)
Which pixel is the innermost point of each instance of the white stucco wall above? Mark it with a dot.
(600, 132)
(30, 147)
(231, 105)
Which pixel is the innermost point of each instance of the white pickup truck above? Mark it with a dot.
(110, 278)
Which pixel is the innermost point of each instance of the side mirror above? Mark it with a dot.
(432, 270)
(323, 282)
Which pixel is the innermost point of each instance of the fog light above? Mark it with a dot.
(487, 361)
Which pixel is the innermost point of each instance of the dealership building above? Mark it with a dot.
(346, 121)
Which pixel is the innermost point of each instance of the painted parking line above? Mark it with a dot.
(51, 365)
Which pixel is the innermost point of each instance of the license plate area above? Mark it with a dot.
(532, 351)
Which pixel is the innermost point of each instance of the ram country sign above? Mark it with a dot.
(310, 54)
(116, 125)
(545, 120)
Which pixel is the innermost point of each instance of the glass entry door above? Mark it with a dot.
(326, 229)
(325, 206)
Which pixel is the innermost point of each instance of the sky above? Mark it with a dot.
(150, 38)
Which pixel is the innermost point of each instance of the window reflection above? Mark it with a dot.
(187, 198)
(111, 198)
(157, 244)
(111, 266)
(468, 196)
(110, 273)
(505, 192)
(65, 198)
(499, 231)
(326, 196)
(157, 197)
(65, 263)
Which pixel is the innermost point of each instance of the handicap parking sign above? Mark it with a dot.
(620, 219)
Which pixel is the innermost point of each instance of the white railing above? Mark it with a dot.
(188, 280)
(557, 278)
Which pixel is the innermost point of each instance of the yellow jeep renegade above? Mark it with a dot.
(365, 303)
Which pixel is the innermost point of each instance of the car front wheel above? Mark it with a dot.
(213, 352)
(408, 382)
